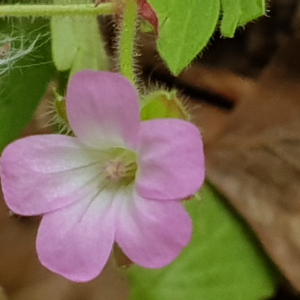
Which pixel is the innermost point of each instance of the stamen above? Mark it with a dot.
(115, 170)
(120, 167)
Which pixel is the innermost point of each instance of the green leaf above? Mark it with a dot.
(77, 43)
(63, 42)
(251, 10)
(185, 28)
(221, 262)
(26, 74)
(232, 11)
(90, 47)
(238, 13)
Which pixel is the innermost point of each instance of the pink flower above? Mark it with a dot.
(119, 180)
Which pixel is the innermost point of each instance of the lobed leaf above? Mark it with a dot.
(185, 27)
(238, 13)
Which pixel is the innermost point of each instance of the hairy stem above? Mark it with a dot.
(48, 10)
(127, 38)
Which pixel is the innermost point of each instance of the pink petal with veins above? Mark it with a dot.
(103, 109)
(170, 160)
(76, 241)
(46, 172)
(152, 233)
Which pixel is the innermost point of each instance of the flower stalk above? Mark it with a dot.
(127, 38)
(46, 10)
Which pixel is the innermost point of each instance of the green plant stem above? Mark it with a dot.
(48, 10)
(127, 38)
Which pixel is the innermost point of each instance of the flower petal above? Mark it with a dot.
(152, 233)
(170, 160)
(76, 241)
(46, 172)
(103, 109)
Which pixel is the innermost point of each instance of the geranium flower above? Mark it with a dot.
(119, 180)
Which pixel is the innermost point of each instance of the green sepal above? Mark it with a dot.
(162, 104)
(60, 108)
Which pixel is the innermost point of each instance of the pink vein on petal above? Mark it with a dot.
(46, 172)
(76, 241)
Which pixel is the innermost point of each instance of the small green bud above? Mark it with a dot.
(161, 105)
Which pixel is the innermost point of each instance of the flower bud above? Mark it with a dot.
(163, 105)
